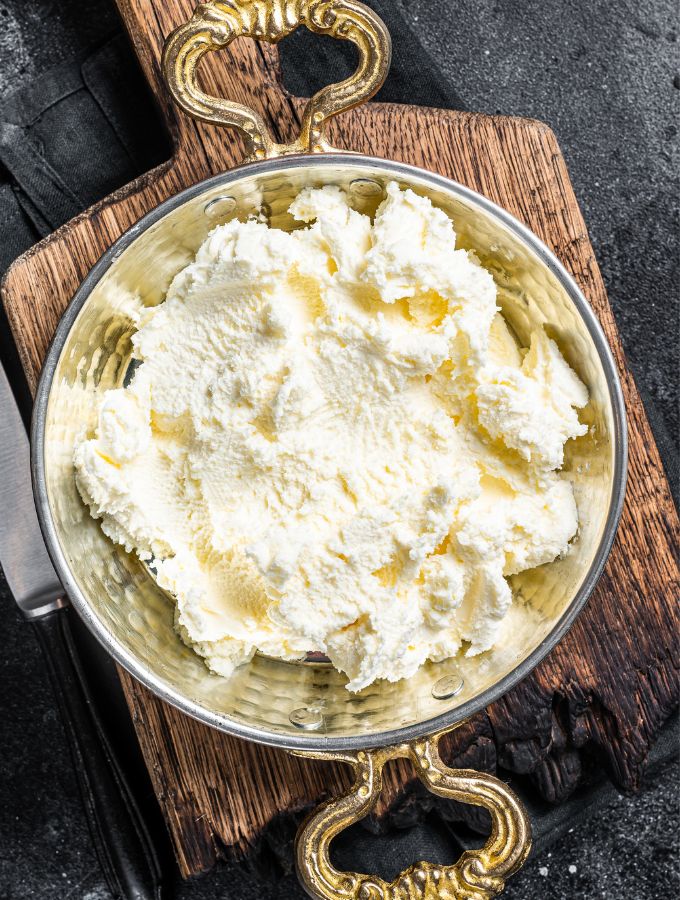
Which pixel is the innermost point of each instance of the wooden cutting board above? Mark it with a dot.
(604, 693)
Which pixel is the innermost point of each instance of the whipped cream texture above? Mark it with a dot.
(332, 442)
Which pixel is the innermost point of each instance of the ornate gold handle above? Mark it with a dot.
(216, 24)
(478, 874)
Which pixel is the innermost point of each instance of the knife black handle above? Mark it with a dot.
(121, 838)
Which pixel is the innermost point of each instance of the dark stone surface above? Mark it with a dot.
(602, 75)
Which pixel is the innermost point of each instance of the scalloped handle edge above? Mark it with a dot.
(478, 874)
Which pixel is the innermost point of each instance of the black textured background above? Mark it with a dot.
(606, 76)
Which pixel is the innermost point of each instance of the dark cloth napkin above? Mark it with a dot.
(73, 137)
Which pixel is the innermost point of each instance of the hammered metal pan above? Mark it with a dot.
(304, 706)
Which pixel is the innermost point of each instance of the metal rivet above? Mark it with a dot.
(363, 791)
(307, 717)
(365, 187)
(220, 206)
(448, 686)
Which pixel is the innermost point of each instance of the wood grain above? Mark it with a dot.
(605, 691)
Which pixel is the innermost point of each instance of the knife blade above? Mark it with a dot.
(123, 842)
(28, 570)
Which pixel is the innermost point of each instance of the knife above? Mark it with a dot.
(121, 838)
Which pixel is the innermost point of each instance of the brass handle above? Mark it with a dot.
(216, 24)
(478, 874)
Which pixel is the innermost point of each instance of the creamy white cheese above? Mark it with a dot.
(333, 443)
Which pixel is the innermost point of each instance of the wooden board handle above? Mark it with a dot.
(214, 25)
(248, 73)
